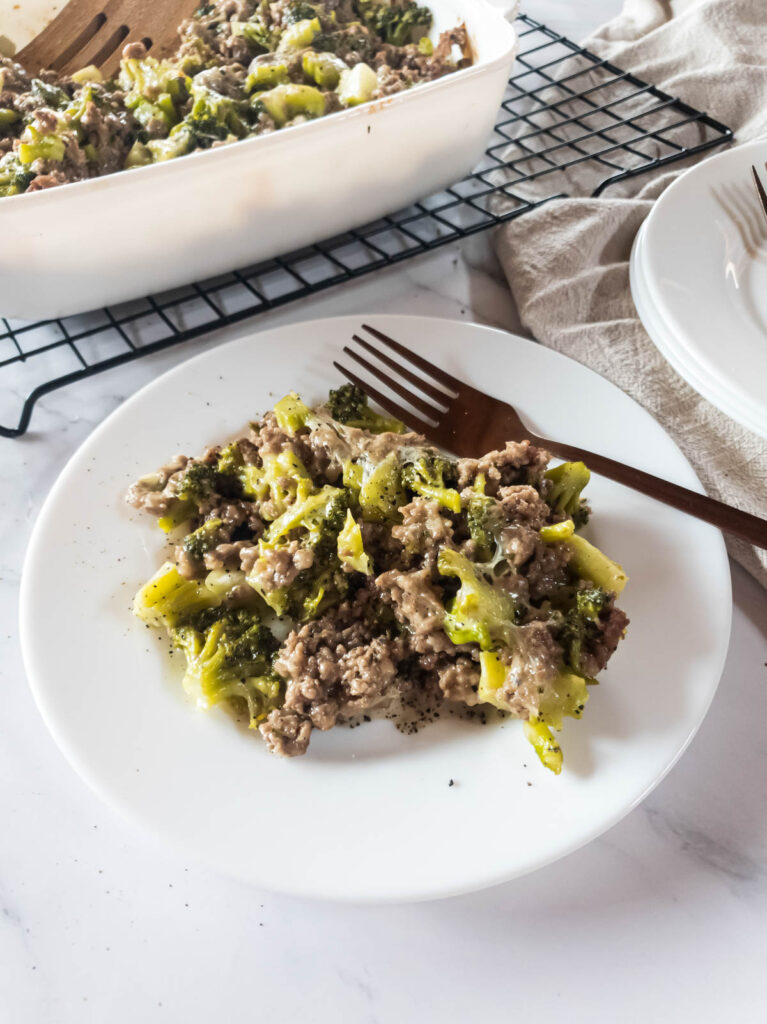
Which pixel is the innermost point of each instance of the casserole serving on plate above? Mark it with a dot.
(105, 240)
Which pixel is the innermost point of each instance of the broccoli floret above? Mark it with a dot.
(198, 482)
(566, 696)
(483, 521)
(316, 523)
(320, 518)
(349, 405)
(351, 550)
(215, 116)
(479, 612)
(586, 560)
(259, 37)
(229, 657)
(581, 623)
(357, 85)
(50, 95)
(299, 11)
(284, 102)
(14, 177)
(155, 90)
(299, 35)
(398, 24)
(292, 414)
(381, 493)
(202, 540)
(564, 491)
(35, 144)
(167, 598)
(325, 69)
(428, 476)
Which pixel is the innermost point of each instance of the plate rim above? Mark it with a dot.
(394, 894)
(727, 395)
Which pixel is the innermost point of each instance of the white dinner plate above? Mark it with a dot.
(699, 283)
(368, 814)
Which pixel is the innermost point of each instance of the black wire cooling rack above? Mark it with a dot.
(570, 124)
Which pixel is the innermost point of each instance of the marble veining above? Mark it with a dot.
(661, 919)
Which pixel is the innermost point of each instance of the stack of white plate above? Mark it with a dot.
(699, 283)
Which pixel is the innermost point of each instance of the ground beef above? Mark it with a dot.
(150, 492)
(333, 674)
(519, 462)
(423, 531)
(278, 567)
(546, 572)
(599, 649)
(419, 608)
(459, 680)
(286, 733)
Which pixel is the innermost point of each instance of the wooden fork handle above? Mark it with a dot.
(731, 520)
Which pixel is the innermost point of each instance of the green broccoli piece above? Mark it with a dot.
(564, 493)
(202, 540)
(349, 405)
(299, 11)
(199, 481)
(8, 116)
(398, 24)
(266, 73)
(586, 560)
(180, 142)
(155, 90)
(381, 493)
(325, 69)
(287, 101)
(281, 482)
(259, 37)
(214, 116)
(38, 145)
(565, 696)
(351, 550)
(299, 34)
(427, 476)
(292, 414)
(14, 177)
(52, 96)
(581, 623)
(317, 522)
(229, 657)
(167, 598)
(479, 613)
(320, 518)
(357, 85)
(484, 524)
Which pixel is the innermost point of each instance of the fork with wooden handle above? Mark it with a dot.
(469, 423)
(85, 33)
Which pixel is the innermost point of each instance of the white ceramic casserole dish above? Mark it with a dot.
(98, 242)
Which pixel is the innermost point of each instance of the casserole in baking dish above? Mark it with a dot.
(103, 240)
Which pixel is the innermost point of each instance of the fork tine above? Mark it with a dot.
(760, 189)
(436, 393)
(386, 403)
(423, 364)
(395, 385)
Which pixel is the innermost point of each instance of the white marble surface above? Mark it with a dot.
(661, 919)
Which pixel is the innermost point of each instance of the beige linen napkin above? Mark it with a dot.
(567, 262)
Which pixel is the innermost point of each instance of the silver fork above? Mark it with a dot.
(467, 422)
